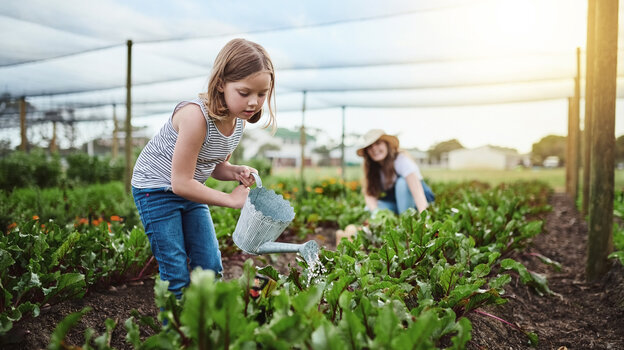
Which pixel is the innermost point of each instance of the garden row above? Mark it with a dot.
(403, 281)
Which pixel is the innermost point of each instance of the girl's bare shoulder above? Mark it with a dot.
(191, 114)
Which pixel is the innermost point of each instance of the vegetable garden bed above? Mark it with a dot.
(576, 315)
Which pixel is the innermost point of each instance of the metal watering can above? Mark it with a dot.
(263, 218)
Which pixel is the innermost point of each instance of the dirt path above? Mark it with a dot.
(581, 316)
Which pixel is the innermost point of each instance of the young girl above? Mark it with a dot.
(195, 143)
(392, 179)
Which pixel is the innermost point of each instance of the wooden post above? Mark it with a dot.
(589, 92)
(22, 109)
(342, 147)
(115, 145)
(600, 237)
(302, 141)
(129, 157)
(572, 163)
(53, 147)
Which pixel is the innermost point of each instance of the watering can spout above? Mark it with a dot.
(308, 250)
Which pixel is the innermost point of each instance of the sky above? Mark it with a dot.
(480, 71)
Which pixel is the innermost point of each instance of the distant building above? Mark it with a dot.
(283, 148)
(350, 156)
(551, 162)
(486, 157)
(420, 157)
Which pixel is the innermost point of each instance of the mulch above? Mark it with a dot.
(580, 315)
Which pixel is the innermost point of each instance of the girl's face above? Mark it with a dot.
(378, 151)
(245, 97)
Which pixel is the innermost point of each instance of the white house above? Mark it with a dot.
(283, 148)
(485, 157)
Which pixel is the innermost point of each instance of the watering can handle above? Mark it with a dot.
(257, 178)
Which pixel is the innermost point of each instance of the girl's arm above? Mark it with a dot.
(415, 186)
(191, 126)
(225, 171)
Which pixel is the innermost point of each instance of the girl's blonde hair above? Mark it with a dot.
(372, 171)
(237, 60)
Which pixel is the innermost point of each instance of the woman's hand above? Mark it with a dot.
(239, 196)
(242, 173)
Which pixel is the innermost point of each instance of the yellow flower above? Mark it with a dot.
(318, 190)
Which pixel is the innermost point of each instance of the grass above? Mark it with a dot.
(553, 177)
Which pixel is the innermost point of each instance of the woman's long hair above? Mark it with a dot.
(373, 171)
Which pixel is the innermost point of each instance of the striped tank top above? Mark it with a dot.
(153, 167)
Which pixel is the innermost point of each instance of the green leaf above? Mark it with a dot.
(5, 261)
(103, 341)
(540, 283)
(199, 305)
(352, 329)
(58, 336)
(499, 281)
(307, 301)
(548, 261)
(418, 334)
(617, 255)
(480, 270)
(270, 272)
(386, 327)
(133, 334)
(533, 338)
(464, 334)
(327, 336)
(69, 285)
(510, 264)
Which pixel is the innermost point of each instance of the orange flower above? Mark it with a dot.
(35, 217)
(318, 190)
(12, 226)
(115, 218)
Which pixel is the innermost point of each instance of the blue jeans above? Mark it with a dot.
(404, 198)
(178, 229)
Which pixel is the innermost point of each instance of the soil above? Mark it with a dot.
(579, 315)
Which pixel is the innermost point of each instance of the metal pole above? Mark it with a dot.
(115, 145)
(22, 109)
(303, 142)
(129, 157)
(342, 147)
(53, 148)
(600, 236)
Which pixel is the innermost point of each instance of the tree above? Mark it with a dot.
(436, 151)
(550, 145)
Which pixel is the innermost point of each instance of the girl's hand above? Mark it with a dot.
(239, 196)
(243, 175)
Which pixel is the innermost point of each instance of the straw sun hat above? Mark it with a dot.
(377, 134)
